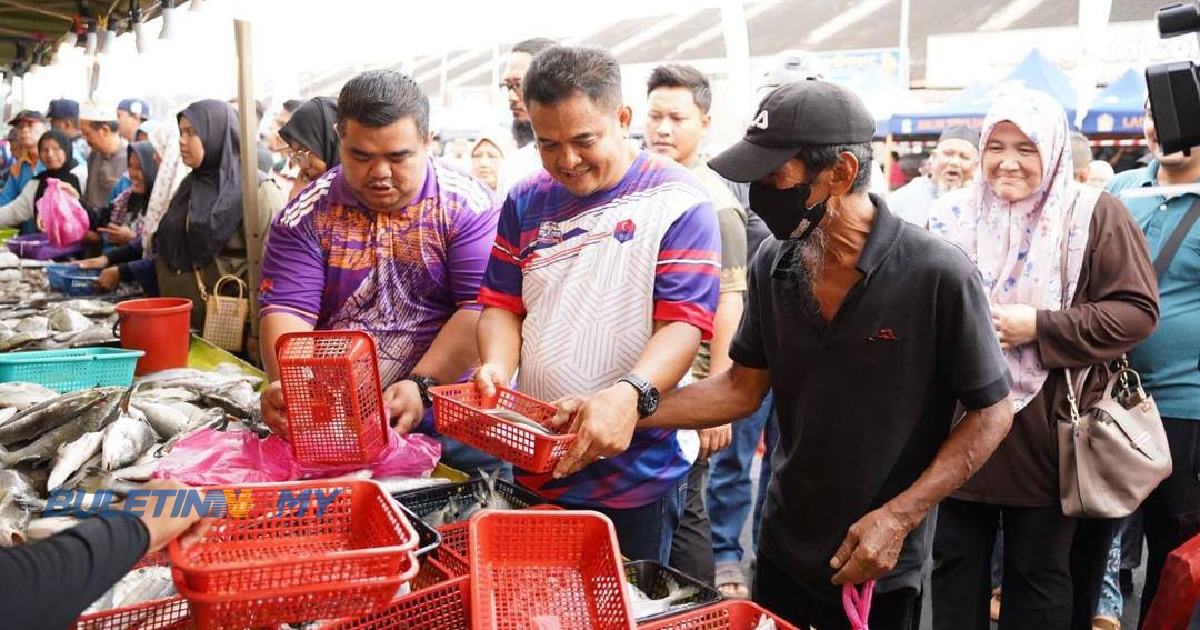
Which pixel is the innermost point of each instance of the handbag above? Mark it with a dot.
(224, 316)
(1113, 454)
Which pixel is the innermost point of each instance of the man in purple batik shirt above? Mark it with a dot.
(393, 242)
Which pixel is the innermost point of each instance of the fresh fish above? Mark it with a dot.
(93, 418)
(166, 395)
(10, 275)
(84, 478)
(21, 396)
(196, 380)
(520, 420)
(37, 323)
(98, 333)
(72, 456)
(207, 418)
(23, 338)
(404, 484)
(645, 604)
(7, 414)
(41, 528)
(66, 319)
(52, 413)
(487, 495)
(140, 472)
(91, 308)
(164, 419)
(125, 440)
(141, 585)
(16, 494)
(9, 259)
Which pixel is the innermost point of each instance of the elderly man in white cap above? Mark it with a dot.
(107, 162)
(951, 166)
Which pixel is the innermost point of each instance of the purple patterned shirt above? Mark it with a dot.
(400, 276)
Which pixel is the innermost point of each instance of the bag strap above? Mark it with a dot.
(230, 277)
(1072, 398)
(1171, 247)
(858, 604)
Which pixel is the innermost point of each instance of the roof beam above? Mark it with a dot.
(37, 9)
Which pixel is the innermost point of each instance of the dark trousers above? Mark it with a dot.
(1171, 514)
(1037, 575)
(776, 591)
(692, 546)
(644, 533)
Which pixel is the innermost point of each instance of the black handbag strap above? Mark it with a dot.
(1163, 261)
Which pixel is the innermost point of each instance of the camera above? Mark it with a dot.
(1175, 87)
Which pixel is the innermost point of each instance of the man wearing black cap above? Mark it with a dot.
(951, 166)
(871, 333)
(29, 126)
(64, 116)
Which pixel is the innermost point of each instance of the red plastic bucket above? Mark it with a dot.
(160, 326)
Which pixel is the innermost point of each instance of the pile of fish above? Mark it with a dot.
(138, 586)
(106, 438)
(35, 325)
(460, 507)
(672, 596)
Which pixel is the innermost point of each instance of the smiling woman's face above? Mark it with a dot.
(1011, 163)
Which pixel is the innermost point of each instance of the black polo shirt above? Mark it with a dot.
(864, 402)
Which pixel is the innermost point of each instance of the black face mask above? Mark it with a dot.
(784, 211)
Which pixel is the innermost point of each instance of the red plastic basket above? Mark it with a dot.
(726, 615)
(441, 603)
(546, 567)
(167, 613)
(331, 388)
(458, 412)
(270, 561)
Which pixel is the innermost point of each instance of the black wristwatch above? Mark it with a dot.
(647, 394)
(423, 385)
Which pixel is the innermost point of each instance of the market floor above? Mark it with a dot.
(1128, 618)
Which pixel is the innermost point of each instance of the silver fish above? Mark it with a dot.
(71, 457)
(91, 308)
(40, 528)
(37, 323)
(166, 395)
(141, 585)
(98, 333)
(66, 319)
(52, 413)
(164, 419)
(520, 420)
(21, 396)
(125, 440)
(207, 418)
(7, 414)
(93, 418)
(16, 494)
(23, 338)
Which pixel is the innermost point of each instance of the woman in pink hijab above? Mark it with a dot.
(1071, 286)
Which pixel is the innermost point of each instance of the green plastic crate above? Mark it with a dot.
(7, 233)
(69, 370)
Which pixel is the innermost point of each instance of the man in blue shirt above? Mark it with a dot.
(29, 125)
(64, 116)
(1167, 361)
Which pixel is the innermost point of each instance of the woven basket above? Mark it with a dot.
(225, 317)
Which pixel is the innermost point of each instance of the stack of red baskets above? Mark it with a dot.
(331, 387)
(296, 551)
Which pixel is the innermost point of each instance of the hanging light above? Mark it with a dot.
(138, 28)
(108, 41)
(196, 5)
(92, 39)
(168, 19)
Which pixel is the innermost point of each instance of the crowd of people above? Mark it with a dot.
(904, 357)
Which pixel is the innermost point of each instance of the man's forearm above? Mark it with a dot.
(711, 402)
(668, 355)
(453, 352)
(971, 443)
(274, 326)
(725, 323)
(499, 339)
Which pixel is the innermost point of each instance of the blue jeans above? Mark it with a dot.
(644, 533)
(729, 487)
(465, 458)
(1111, 602)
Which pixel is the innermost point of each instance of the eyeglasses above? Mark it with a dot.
(513, 85)
(298, 157)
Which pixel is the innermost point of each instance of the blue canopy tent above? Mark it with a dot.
(1119, 108)
(971, 105)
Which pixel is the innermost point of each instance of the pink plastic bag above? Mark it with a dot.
(60, 215)
(210, 457)
(858, 604)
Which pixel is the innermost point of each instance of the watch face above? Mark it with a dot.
(652, 399)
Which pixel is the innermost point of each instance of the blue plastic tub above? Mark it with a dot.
(69, 370)
(56, 274)
(80, 282)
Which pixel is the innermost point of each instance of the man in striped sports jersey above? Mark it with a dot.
(602, 282)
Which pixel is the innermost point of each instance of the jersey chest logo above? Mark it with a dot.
(624, 230)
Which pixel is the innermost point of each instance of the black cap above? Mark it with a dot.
(960, 132)
(808, 112)
(63, 108)
(27, 114)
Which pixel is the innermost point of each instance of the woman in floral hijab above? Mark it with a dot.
(1071, 286)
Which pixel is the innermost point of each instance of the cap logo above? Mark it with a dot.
(760, 121)
(135, 109)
